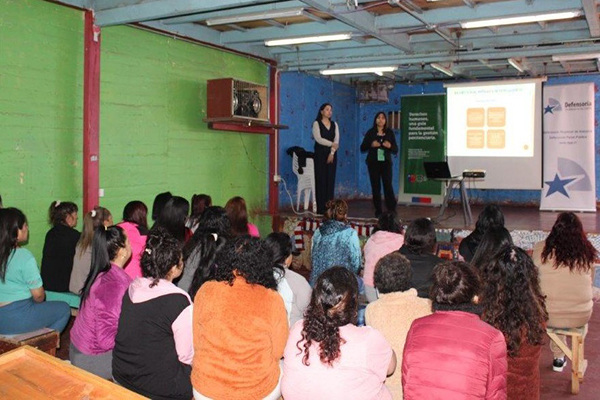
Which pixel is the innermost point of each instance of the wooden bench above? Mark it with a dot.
(45, 339)
(575, 353)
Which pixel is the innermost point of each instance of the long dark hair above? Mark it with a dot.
(249, 258)
(159, 203)
(420, 236)
(494, 240)
(200, 202)
(106, 244)
(11, 220)
(136, 212)
(454, 282)
(389, 222)
(568, 245)
(200, 251)
(375, 121)
(319, 116)
(491, 216)
(238, 215)
(161, 254)
(280, 245)
(58, 212)
(173, 217)
(512, 300)
(334, 303)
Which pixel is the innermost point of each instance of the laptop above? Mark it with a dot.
(437, 170)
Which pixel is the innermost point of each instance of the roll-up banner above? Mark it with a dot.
(569, 176)
(423, 138)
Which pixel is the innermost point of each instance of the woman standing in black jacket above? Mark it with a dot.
(380, 142)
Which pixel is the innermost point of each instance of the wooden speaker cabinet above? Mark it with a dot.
(232, 98)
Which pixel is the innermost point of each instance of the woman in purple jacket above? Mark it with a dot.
(93, 333)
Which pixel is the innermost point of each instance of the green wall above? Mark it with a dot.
(152, 137)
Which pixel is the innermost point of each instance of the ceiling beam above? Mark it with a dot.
(294, 30)
(158, 9)
(363, 21)
(591, 15)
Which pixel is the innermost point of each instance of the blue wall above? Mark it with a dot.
(302, 94)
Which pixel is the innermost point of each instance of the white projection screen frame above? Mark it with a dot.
(496, 126)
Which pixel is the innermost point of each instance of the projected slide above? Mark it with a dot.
(491, 121)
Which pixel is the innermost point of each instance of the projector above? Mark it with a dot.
(474, 173)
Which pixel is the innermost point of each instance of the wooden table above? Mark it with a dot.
(27, 373)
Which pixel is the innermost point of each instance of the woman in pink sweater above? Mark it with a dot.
(387, 238)
(135, 225)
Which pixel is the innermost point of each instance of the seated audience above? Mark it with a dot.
(238, 215)
(153, 347)
(22, 305)
(172, 218)
(200, 251)
(335, 242)
(200, 202)
(491, 216)
(420, 246)
(565, 261)
(453, 354)
(395, 310)
(82, 260)
(494, 240)
(240, 326)
(513, 303)
(94, 330)
(135, 225)
(59, 246)
(386, 239)
(293, 284)
(327, 356)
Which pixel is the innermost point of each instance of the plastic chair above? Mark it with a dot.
(306, 183)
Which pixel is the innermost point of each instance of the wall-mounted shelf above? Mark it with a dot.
(243, 124)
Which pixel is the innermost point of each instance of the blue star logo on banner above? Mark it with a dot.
(553, 105)
(558, 185)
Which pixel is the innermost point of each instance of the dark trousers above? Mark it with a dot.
(324, 179)
(381, 171)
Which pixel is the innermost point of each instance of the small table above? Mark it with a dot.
(27, 373)
(459, 182)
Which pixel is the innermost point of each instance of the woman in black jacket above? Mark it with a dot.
(380, 142)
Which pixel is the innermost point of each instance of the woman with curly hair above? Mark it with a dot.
(327, 355)
(153, 348)
(513, 303)
(565, 261)
(240, 326)
(335, 242)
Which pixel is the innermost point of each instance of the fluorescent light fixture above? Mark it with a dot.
(516, 65)
(442, 69)
(308, 39)
(259, 16)
(367, 70)
(524, 19)
(575, 57)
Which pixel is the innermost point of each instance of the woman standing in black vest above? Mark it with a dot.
(327, 138)
(380, 142)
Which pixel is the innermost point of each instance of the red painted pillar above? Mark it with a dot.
(274, 147)
(91, 113)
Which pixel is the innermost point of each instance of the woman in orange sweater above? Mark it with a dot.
(240, 326)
